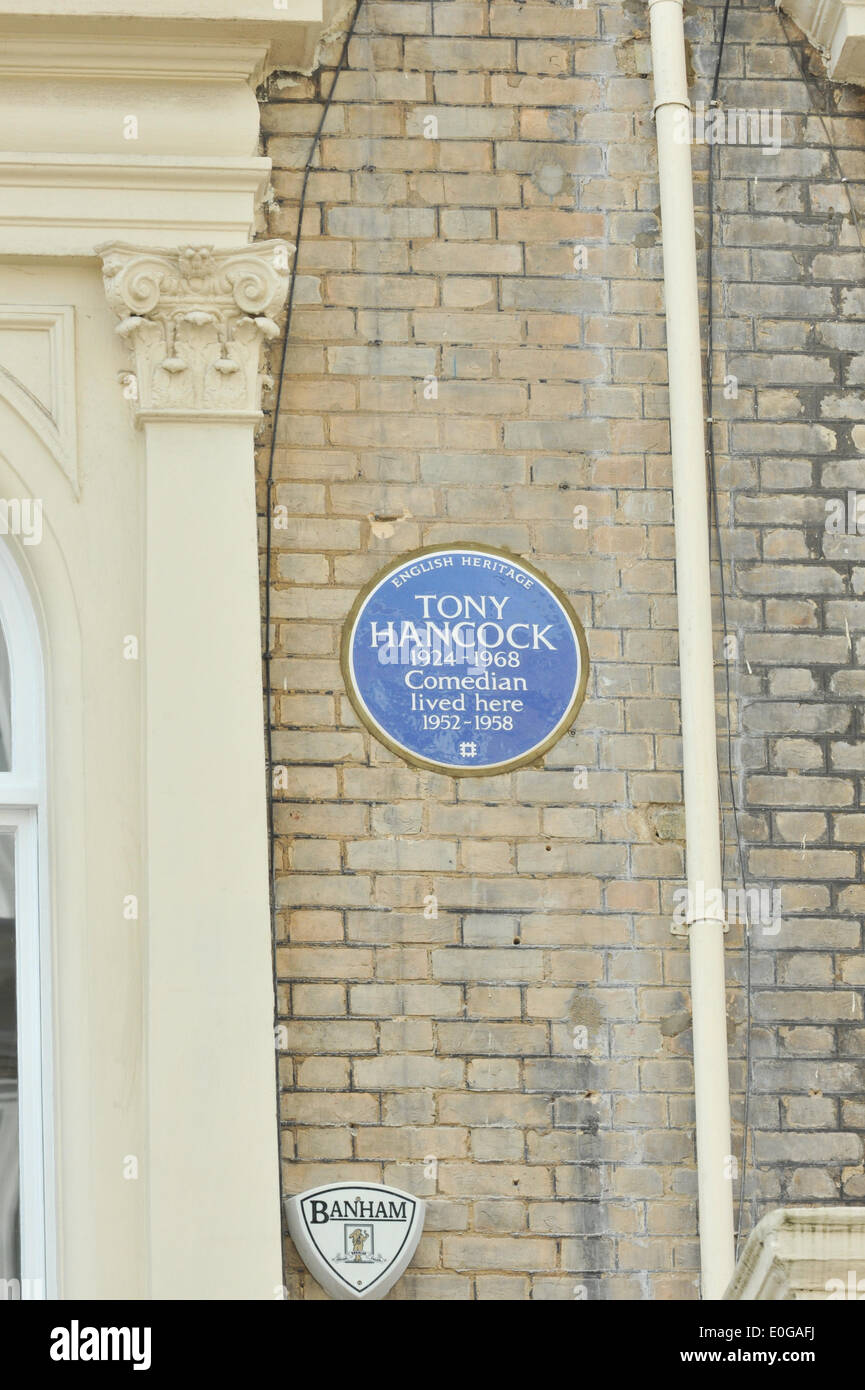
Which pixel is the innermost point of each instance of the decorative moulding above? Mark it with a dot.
(46, 399)
(195, 320)
(129, 60)
(160, 137)
(66, 205)
(288, 29)
(807, 1253)
(837, 28)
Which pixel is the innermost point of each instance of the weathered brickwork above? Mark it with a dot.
(791, 331)
(481, 997)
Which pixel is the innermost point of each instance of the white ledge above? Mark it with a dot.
(803, 1253)
(66, 205)
(837, 29)
(289, 32)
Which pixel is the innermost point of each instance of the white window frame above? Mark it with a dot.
(22, 811)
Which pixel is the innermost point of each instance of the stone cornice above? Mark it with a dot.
(802, 1253)
(154, 94)
(195, 320)
(837, 29)
(287, 29)
(128, 60)
(53, 205)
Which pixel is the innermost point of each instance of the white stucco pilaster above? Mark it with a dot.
(195, 321)
(129, 144)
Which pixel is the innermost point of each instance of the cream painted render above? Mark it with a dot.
(130, 135)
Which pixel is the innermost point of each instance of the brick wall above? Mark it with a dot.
(792, 334)
(522, 1058)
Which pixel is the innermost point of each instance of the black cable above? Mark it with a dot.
(722, 40)
(715, 520)
(267, 655)
(710, 388)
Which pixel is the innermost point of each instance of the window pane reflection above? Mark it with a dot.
(5, 708)
(10, 1242)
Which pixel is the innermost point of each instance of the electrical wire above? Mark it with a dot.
(267, 655)
(722, 589)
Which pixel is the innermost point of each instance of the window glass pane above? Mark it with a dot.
(10, 1242)
(5, 707)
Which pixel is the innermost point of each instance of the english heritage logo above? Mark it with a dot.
(356, 1239)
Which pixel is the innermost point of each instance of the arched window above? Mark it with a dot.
(23, 948)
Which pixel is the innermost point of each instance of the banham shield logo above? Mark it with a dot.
(355, 1238)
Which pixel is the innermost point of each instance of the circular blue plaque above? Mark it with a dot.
(464, 659)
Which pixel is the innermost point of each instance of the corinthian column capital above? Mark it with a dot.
(195, 320)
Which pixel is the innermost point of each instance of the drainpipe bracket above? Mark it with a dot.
(684, 928)
(669, 74)
(671, 101)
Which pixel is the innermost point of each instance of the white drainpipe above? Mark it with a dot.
(702, 800)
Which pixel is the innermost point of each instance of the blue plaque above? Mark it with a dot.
(464, 659)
